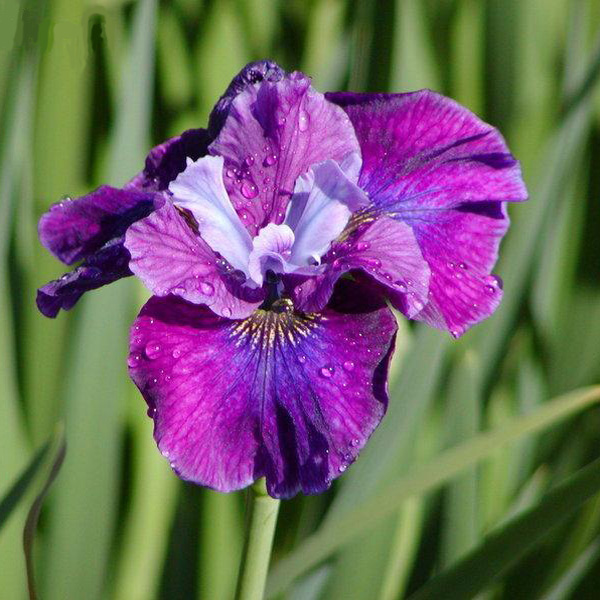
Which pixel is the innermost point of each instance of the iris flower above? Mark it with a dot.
(273, 243)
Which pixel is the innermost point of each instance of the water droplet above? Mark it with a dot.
(342, 468)
(418, 305)
(327, 372)
(249, 160)
(362, 246)
(231, 173)
(176, 353)
(152, 350)
(281, 121)
(133, 360)
(270, 160)
(373, 262)
(151, 412)
(348, 365)
(455, 334)
(227, 312)
(462, 265)
(249, 189)
(303, 121)
(302, 359)
(354, 443)
(451, 265)
(401, 286)
(246, 216)
(207, 288)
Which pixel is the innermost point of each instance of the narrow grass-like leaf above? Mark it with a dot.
(58, 456)
(503, 548)
(335, 533)
(17, 491)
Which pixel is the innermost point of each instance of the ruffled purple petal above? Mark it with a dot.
(272, 248)
(105, 266)
(251, 74)
(167, 160)
(170, 258)
(274, 131)
(283, 395)
(434, 165)
(74, 229)
(386, 251)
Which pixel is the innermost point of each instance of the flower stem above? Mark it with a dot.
(260, 528)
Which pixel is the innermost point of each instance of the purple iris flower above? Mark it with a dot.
(270, 242)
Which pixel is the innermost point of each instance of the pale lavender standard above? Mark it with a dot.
(270, 242)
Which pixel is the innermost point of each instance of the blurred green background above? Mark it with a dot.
(479, 481)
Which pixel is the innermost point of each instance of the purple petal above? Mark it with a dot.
(170, 258)
(167, 160)
(423, 152)
(200, 190)
(75, 229)
(461, 247)
(252, 73)
(272, 248)
(323, 200)
(281, 395)
(387, 251)
(103, 267)
(434, 165)
(273, 133)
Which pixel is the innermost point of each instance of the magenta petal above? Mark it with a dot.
(170, 258)
(424, 152)
(273, 133)
(387, 251)
(289, 397)
(74, 229)
(101, 268)
(167, 160)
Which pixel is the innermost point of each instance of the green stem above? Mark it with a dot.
(260, 528)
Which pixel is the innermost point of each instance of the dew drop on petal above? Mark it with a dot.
(303, 121)
(348, 365)
(133, 360)
(455, 334)
(176, 353)
(249, 160)
(270, 160)
(362, 246)
(227, 312)
(152, 350)
(342, 468)
(302, 359)
(373, 262)
(327, 372)
(249, 189)
(207, 288)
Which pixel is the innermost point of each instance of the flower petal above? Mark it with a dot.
(323, 200)
(273, 133)
(170, 258)
(423, 152)
(434, 165)
(74, 229)
(200, 190)
(287, 396)
(272, 248)
(387, 251)
(105, 266)
(167, 160)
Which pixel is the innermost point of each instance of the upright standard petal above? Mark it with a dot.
(171, 258)
(200, 190)
(284, 395)
(434, 165)
(74, 229)
(323, 200)
(274, 131)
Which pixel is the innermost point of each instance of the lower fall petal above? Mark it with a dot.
(283, 395)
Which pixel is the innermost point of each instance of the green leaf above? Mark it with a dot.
(505, 547)
(337, 532)
(58, 453)
(19, 488)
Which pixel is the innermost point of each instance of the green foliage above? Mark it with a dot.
(476, 482)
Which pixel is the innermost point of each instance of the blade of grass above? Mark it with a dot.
(335, 533)
(59, 449)
(505, 547)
